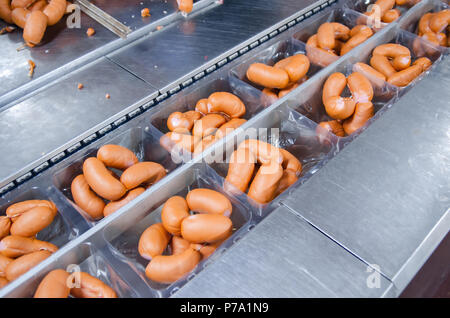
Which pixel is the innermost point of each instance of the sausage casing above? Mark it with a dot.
(153, 241)
(146, 172)
(173, 212)
(54, 285)
(206, 228)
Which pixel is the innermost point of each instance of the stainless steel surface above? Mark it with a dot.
(289, 258)
(388, 191)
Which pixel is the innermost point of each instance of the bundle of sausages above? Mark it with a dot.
(213, 118)
(98, 183)
(33, 16)
(193, 237)
(388, 9)
(278, 80)
(349, 113)
(57, 284)
(392, 62)
(277, 170)
(335, 39)
(434, 27)
(19, 249)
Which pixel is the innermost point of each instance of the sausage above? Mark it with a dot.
(206, 228)
(359, 28)
(183, 122)
(4, 261)
(382, 65)
(363, 112)
(19, 16)
(332, 126)
(173, 212)
(336, 106)
(91, 287)
(86, 199)
(168, 269)
(240, 169)
(37, 5)
(227, 103)
(5, 11)
(24, 263)
(287, 90)
(268, 96)
(101, 180)
(15, 246)
(267, 76)
(16, 209)
(181, 141)
(32, 221)
(265, 183)
(115, 156)
(264, 152)
(360, 87)
(153, 241)
(179, 245)
(205, 143)
(376, 78)
(113, 206)
(54, 285)
(424, 62)
(356, 40)
(229, 127)
(401, 62)
(391, 50)
(207, 249)
(424, 23)
(440, 21)
(208, 125)
(288, 178)
(295, 66)
(385, 5)
(202, 106)
(34, 28)
(328, 33)
(403, 78)
(5, 225)
(317, 55)
(3, 282)
(21, 3)
(290, 162)
(185, 5)
(208, 201)
(146, 172)
(391, 15)
(55, 11)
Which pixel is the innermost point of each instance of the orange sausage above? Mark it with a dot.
(15, 246)
(5, 11)
(363, 112)
(391, 15)
(317, 55)
(32, 221)
(209, 201)
(207, 249)
(185, 5)
(202, 106)
(295, 66)
(356, 40)
(173, 212)
(16, 209)
(267, 76)
(101, 181)
(288, 179)
(153, 241)
(208, 125)
(5, 225)
(401, 62)
(54, 285)
(3, 282)
(86, 199)
(38, 5)
(146, 172)
(4, 261)
(115, 156)
(391, 50)
(24, 263)
(287, 90)
(403, 78)
(206, 228)
(329, 32)
(264, 152)
(265, 183)
(385, 5)
(360, 28)
(19, 16)
(334, 127)
(290, 162)
(55, 11)
(227, 103)
(168, 269)
(424, 62)
(205, 143)
(21, 3)
(382, 65)
(229, 127)
(113, 206)
(179, 245)
(240, 169)
(182, 122)
(440, 21)
(376, 78)
(360, 87)
(91, 287)
(336, 106)
(424, 23)
(34, 28)
(180, 141)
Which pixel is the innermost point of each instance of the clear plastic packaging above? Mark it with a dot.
(363, 5)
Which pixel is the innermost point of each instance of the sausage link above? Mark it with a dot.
(356, 40)
(391, 16)
(3, 282)
(382, 65)
(363, 112)
(115, 156)
(424, 62)
(34, 28)
(267, 76)
(227, 103)
(91, 287)
(146, 172)
(5, 11)
(153, 241)
(329, 32)
(332, 126)
(54, 285)
(206, 228)
(202, 106)
(208, 201)
(207, 249)
(185, 5)
(403, 78)
(32, 221)
(38, 5)
(265, 183)
(265, 153)
(55, 11)
(295, 66)
(180, 141)
(5, 225)
(113, 206)
(287, 90)
(182, 122)
(86, 199)
(4, 261)
(440, 21)
(336, 106)
(376, 78)
(360, 87)
(205, 143)
(317, 55)
(229, 127)
(240, 169)
(173, 212)
(424, 23)
(179, 245)
(24, 263)
(17, 209)
(168, 269)
(288, 179)
(208, 125)
(385, 5)
(19, 16)
(15, 246)
(391, 50)
(290, 162)
(401, 62)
